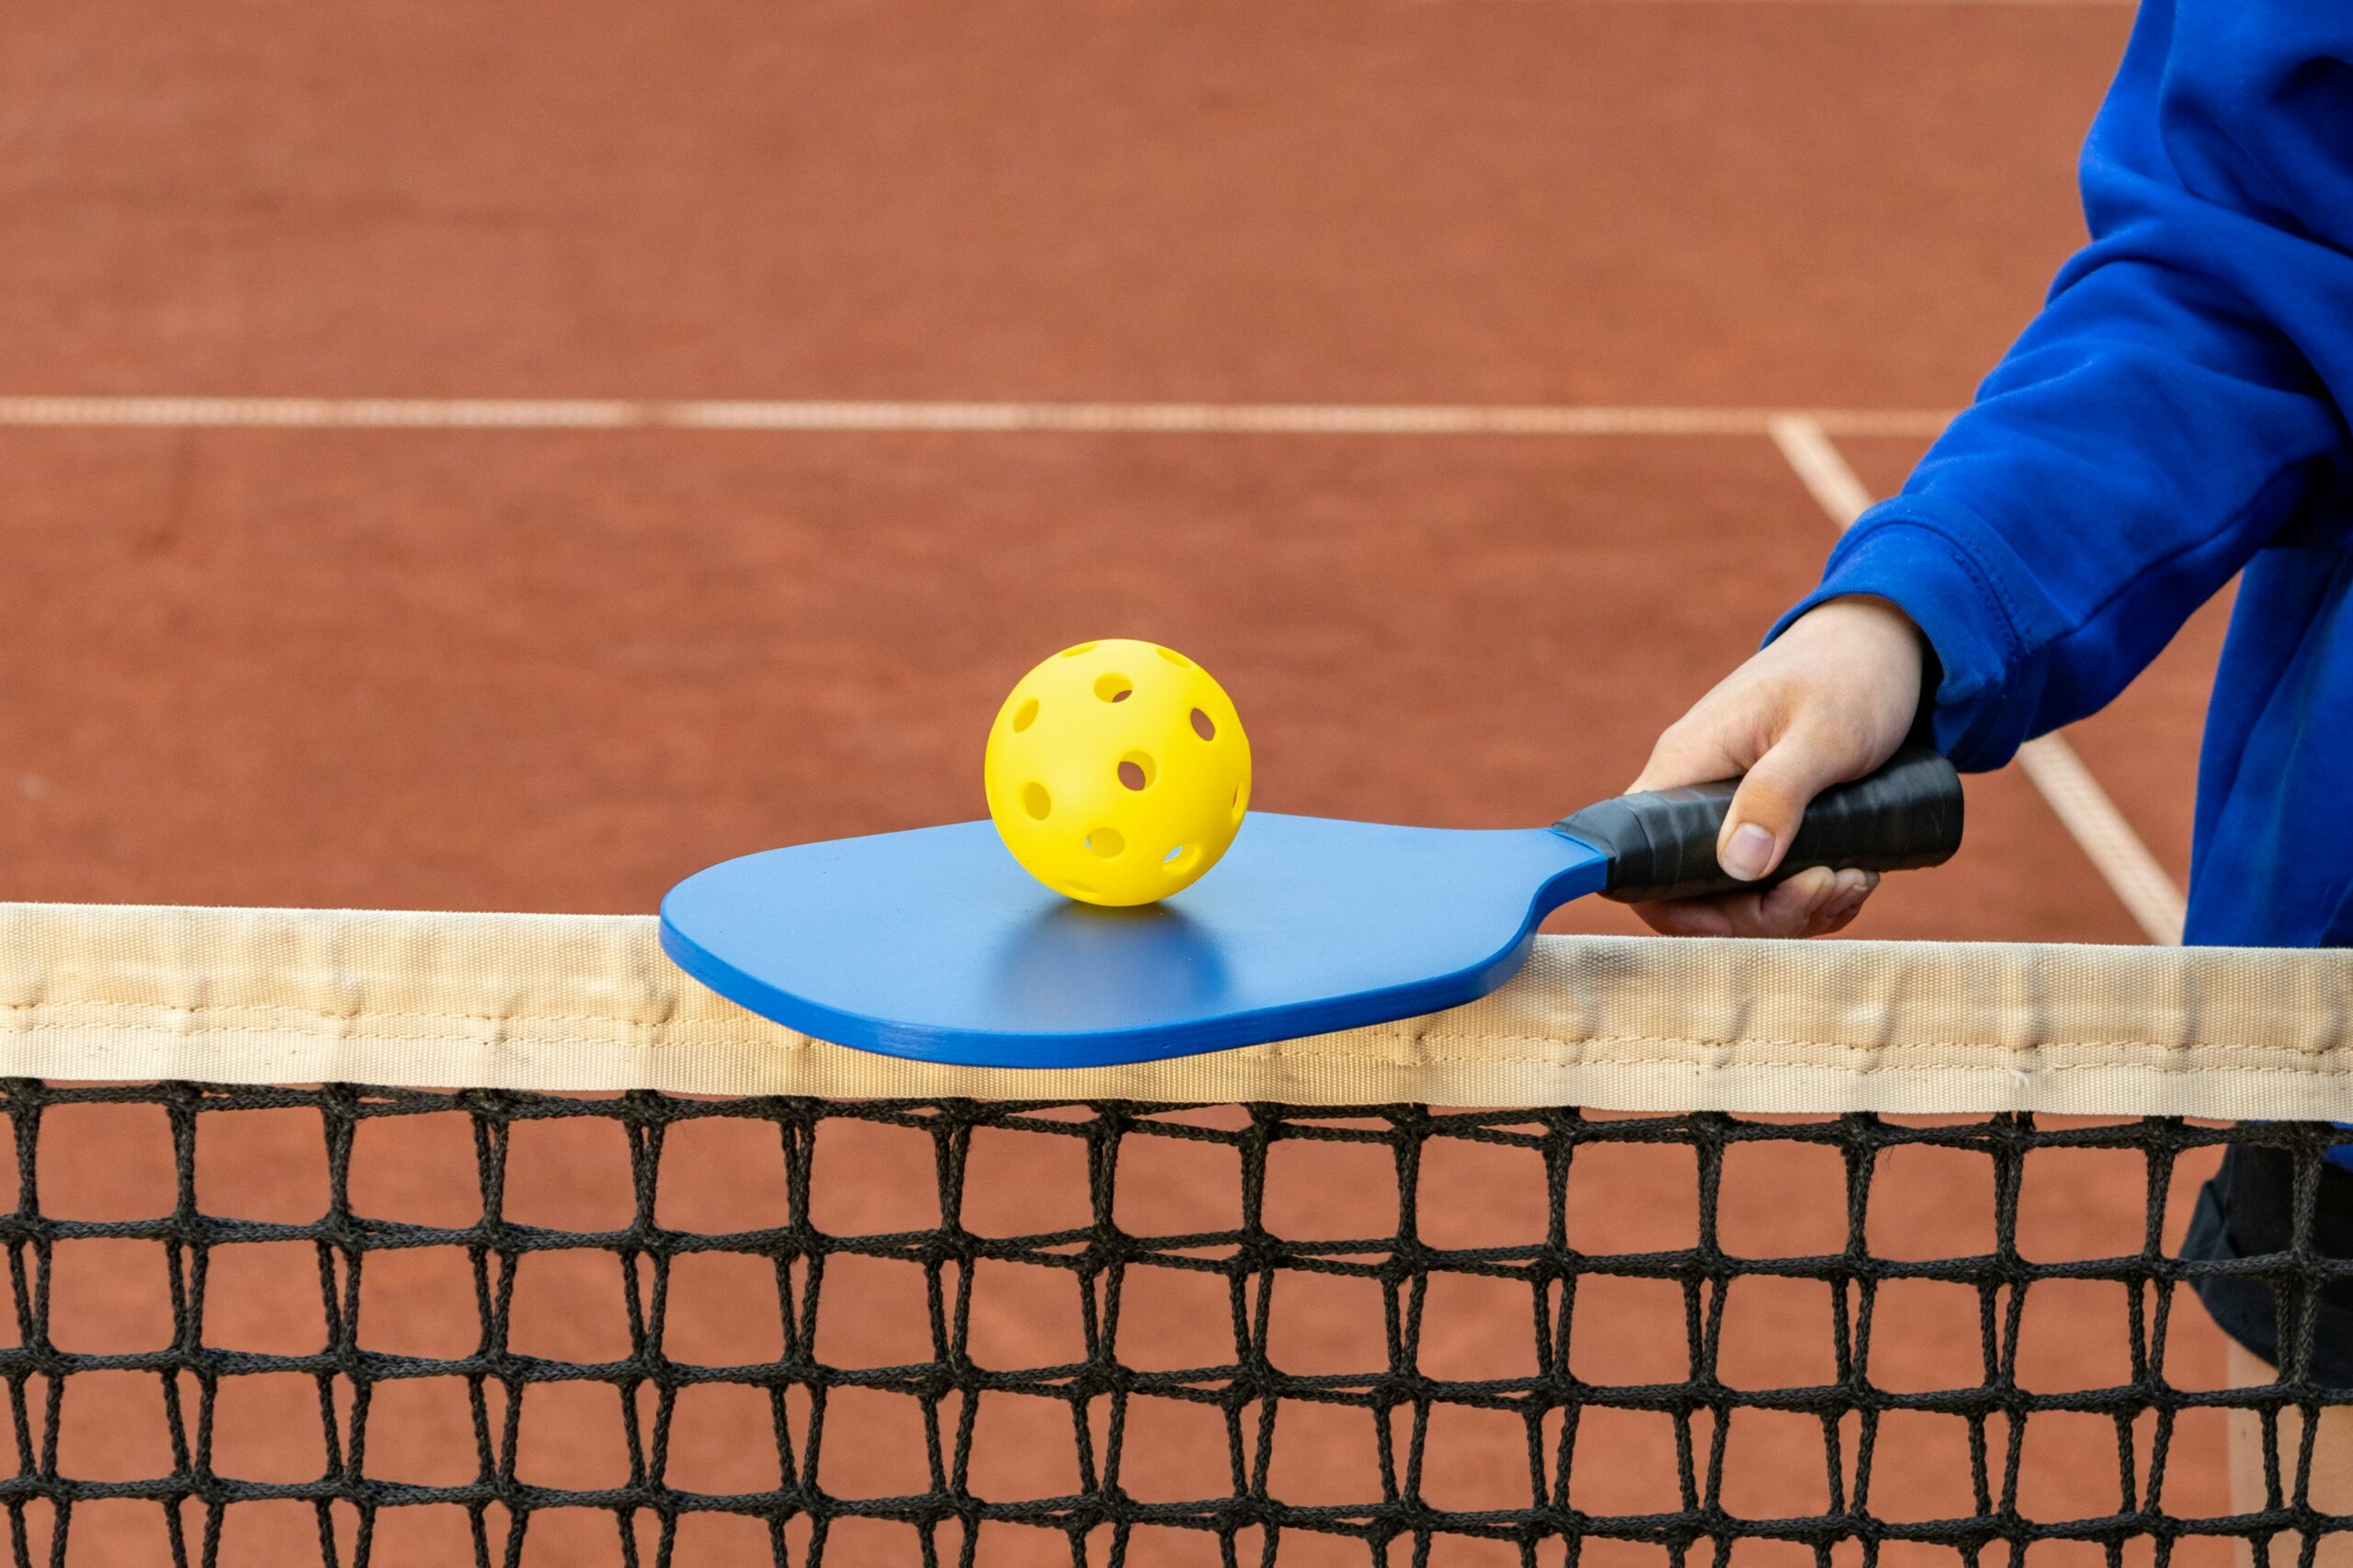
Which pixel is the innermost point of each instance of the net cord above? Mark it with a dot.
(587, 1003)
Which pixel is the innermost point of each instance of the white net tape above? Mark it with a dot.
(587, 1003)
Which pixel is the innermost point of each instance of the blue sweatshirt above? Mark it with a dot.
(2176, 414)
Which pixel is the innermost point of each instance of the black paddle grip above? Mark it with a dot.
(1661, 843)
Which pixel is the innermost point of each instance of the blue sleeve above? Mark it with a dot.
(2175, 406)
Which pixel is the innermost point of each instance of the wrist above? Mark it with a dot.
(1882, 616)
(1888, 623)
(1887, 665)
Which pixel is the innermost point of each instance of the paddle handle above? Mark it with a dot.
(1661, 843)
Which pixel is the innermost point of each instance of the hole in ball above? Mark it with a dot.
(1074, 653)
(1113, 687)
(1026, 715)
(1178, 860)
(1036, 802)
(1175, 658)
(1202, 726)
(1106, 842)
(1241, 800)
(1136, 770)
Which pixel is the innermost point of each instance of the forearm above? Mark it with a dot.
(2179, 400)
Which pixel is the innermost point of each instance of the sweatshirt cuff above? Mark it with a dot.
(1911, 552)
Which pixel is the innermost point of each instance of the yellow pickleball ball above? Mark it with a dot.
(1118, 772)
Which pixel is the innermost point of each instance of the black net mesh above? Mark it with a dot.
(384, 1326)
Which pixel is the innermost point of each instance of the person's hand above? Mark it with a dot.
(1826, 702)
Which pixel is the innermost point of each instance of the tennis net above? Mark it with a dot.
(1834, 1252)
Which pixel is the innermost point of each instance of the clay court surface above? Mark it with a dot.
(532, 668)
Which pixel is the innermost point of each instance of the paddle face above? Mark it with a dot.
(936, 945)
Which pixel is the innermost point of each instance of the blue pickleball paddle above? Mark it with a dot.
(935, 943)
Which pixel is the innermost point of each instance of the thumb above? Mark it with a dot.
(1771, 800)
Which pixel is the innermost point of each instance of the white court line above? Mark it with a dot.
(2049, 762)
(1172, 418)
(1803, 436)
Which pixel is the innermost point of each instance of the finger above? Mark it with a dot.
(1845, 918)
(1693, 750)
(1770, 802)
(1790, 908)
(1687, 917)
(1793, 908)
(1845, 903)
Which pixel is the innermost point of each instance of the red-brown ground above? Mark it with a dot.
(558, 670)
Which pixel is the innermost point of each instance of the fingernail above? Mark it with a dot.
(1746, 856)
